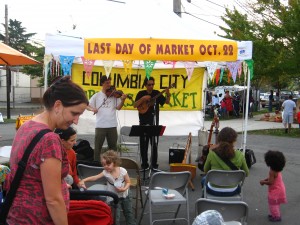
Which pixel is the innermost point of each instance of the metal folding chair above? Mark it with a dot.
(231, 211)
(225, 179)
(133, 170)
(87, 171)
(126, 144)
(176, 183)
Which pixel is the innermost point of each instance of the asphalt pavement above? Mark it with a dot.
(254, 194)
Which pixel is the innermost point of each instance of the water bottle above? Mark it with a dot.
(165, 191)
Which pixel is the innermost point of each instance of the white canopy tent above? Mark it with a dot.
(137, 19)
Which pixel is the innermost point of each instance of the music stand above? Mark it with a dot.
(147, 130)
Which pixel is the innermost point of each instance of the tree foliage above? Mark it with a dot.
(274, 30)
(21, 41)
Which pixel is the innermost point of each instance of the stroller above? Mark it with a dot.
(89, 207)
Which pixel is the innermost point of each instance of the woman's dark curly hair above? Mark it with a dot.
(275, 160)
(226, 139)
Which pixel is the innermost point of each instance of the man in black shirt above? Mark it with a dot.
(147, 102)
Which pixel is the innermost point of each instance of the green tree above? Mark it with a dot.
(22, 41)
(274, 30)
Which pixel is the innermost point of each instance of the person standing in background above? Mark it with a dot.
(298, 117)
(236, 103)
(277, 100)
(214, 103)
(288, 107)
(271, 99)
(275, 160)
(228, 103)
(150, 117)
(104, 105)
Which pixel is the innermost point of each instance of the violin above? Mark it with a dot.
(112, 92)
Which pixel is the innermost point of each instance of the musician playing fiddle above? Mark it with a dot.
(104, 105)
(146, 102)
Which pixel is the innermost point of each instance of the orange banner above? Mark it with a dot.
(159, 49)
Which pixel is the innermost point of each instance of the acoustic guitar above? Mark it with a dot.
(205, 149)
(146, 101)
(186, 165)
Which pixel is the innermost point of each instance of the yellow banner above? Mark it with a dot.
(186, 95)
(159, 49)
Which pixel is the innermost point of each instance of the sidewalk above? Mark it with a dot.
(238, 124)
(253, 124)
(21, 105)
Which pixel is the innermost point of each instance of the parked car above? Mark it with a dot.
(296, 97)
(264, 101)
(284, 95)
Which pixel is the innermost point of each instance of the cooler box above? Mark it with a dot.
(176, 154)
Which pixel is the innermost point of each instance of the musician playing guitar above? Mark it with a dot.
(147, 102)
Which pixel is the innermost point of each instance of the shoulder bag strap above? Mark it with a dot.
(228, 162)
(18, 176)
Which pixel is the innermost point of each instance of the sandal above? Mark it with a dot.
(274, 218)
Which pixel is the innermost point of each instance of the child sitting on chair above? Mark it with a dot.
(118, 182)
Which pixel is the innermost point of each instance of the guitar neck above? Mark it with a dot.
(210, 133)
(187, 149)
(159, 94)
(163, 91)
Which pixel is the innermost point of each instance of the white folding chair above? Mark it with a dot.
(231, 211)
(85, 171)
(224, 179)
(176, 183)
(126, 144)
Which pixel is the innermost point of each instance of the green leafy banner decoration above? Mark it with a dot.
(149, 64)
(250, 67)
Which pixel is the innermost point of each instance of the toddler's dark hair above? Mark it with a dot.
(275, 160)
(65, 134)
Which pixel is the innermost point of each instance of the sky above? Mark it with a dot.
(89, 16)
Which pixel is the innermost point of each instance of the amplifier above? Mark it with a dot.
(176, 154)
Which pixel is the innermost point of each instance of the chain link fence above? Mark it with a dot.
(22, 94)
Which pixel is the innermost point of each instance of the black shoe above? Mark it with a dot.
(155, 166)
(286, 131)
(144, 167)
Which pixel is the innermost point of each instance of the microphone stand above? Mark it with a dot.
(153, 140)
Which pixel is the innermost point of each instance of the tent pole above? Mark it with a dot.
(45, 78)
(8, 90)
(247, 112)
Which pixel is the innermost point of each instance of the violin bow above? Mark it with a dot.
(104, 100)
